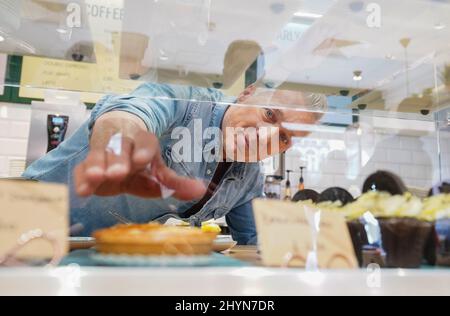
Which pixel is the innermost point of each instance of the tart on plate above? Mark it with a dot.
(154, 240)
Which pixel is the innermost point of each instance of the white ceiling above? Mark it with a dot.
(30, 28)
(178, 30)
(195, 35)
(414, 19)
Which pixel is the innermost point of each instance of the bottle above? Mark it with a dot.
(288, 191)
(272, 188)
(301, 184)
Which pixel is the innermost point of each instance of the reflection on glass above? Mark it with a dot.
(368, 52)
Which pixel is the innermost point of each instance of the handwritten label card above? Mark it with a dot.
(302, 236)
(27, 206)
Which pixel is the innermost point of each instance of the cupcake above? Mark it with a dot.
(441, 188)
(336, 194)
(385, 181)
(306, 195)
(359, 228)
(404, 232)
(443, 249)
(404, 240)
(431, 247)
(335, 199)
(436, 209)
(359, 238)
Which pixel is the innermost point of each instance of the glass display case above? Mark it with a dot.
(358, 86)
(384, 69)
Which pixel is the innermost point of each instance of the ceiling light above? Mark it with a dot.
(278, 7)
(308, 15)
(313, 128)
(357, 75)
(61, 31)
(2, 39)
(359, 131)
(390, 57)
(439, 26)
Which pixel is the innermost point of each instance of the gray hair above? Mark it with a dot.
(314, 102)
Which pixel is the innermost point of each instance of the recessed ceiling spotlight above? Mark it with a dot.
(163, 56)
(439, 26)
(356, 6)
(308, 15)
(61, 31)
(390, 57)
(357, 75)
(277, 7)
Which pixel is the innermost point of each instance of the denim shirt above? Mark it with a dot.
(163, 108)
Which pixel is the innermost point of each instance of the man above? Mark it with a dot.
(147, 126)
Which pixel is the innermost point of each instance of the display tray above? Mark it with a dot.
(91, 258)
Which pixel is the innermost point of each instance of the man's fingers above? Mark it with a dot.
(185, 188)
(146, 148)
(142, 186)
(106, 172)
(95, 166)
(82, 185)
(118, 166)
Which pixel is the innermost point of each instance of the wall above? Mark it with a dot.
(14, 133)
(334, 159)
(14, 130)
(328, 156)
(445, 156)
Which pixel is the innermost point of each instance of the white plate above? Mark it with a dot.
(223, 243)
(152, 261)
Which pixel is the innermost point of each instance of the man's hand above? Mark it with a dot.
(135, 170)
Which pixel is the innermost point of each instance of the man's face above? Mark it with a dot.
(253, 132)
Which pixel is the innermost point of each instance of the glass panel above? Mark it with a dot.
(345, 156)
(444, 144)
(367, 51)
(384, 78)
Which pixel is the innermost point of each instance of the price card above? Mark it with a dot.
(291, 234)
(27, 206)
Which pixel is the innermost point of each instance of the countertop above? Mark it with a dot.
(233, 281)
(220, 281)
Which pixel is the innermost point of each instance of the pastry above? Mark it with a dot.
(436, 209)
(153, 240)
(385, 181)
(336, 194)
(306, 195)
(404, 240)
(441, 188)
(405, 232)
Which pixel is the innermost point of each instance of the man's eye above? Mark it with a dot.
(270, 115)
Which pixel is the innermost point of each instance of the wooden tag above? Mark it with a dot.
(27, 206)
(290, 233)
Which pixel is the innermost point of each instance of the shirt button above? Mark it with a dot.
(209, 172)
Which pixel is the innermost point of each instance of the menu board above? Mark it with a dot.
(92, 79)
(3, 62)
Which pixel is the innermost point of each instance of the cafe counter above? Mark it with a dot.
(248, 279)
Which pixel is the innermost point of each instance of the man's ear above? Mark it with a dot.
(248, 92)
